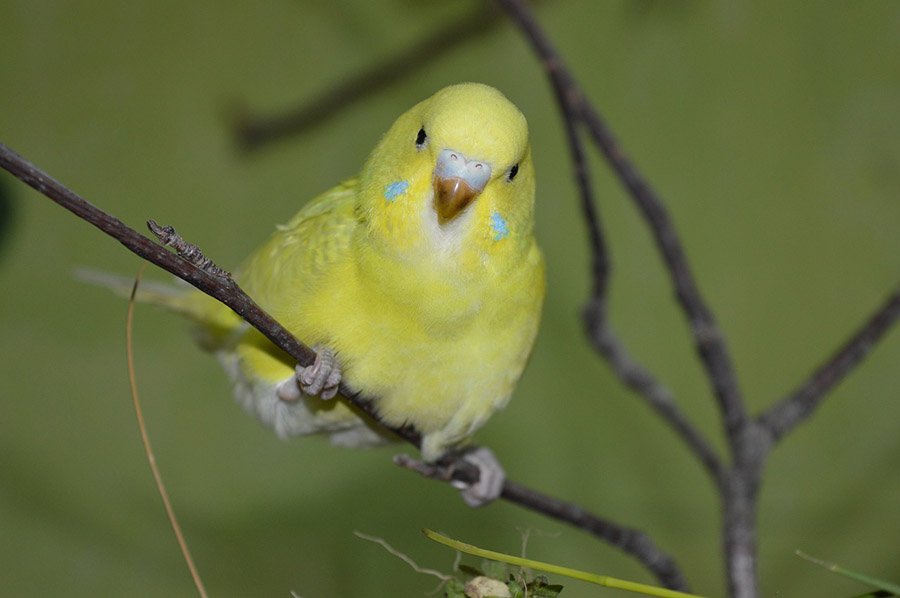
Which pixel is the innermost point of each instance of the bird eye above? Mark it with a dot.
(420, 138)
(512, 173)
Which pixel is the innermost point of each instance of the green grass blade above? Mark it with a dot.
(600, 580)
(866, 579)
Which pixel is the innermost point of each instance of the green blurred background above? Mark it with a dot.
(772, 132)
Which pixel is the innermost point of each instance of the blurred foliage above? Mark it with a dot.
(773, 133)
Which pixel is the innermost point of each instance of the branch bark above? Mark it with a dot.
(253, 133)
(208, 278)
(750, 440)
(709, 340)
(595, 314)
(785, 415)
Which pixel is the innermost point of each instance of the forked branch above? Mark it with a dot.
(785, 415)
(708, 338)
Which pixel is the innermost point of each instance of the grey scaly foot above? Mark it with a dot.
(321, 379)
(490, 479)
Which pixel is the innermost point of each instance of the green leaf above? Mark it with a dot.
(494, 569)
(516, 589)
(455, 589)
(541, 587)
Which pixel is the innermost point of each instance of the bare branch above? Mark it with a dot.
(602, 336)
(255, 132)
(604, 339)
(632, 541)
(736, 484)
(228, 292)
(708, 338)
(782, 417)
(749, 439)
(655, 394)
(168, 237)
(600, 264)
(209, 279)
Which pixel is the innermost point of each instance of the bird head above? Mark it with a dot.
(453, 173)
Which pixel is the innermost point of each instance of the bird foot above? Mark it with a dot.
(491, 477)
(321, 379)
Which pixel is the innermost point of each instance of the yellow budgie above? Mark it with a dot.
(419, 282)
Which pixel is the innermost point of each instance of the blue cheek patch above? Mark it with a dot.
(395, 189)
(499, 226)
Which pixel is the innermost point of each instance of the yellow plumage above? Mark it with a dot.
(435, 318)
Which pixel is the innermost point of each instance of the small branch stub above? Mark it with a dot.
(167, 236)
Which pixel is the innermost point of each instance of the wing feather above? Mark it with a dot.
(292, 264)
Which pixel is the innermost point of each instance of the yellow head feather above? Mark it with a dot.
(397, 184)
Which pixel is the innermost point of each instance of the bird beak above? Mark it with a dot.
(457, 181)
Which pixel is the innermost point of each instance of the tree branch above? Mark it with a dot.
(632, 541)
(708, 338)
(782, 417)
(208, 278)
(750, 440)
(604, 339)
(255, 132)
(189, 265)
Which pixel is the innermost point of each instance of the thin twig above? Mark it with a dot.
(168, 237)
(750, 440)
(707, 336)
(634, 542)
(148, 448)
(658, 396)
(403, 557)
(228, 292)
(737, 486)
(210, 279)
(602, 336)
(600, 262)
(786, 414)
(256, 132)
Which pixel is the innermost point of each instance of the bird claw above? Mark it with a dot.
(491, 477)
(321, 379)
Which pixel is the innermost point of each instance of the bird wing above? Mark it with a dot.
(293, 262)
(284, 272)
(289, 275)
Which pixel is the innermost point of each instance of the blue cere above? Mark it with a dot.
(394, 189)
(499, 226)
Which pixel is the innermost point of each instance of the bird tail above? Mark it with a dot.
(215, 324)
(170, 296)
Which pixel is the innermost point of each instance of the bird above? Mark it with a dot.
(419, 281)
